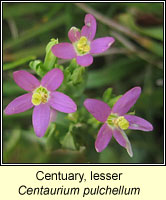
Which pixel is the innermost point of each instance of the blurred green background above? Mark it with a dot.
(135, 59)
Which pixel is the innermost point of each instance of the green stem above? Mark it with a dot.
(17, 63)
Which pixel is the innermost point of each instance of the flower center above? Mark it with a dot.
(40, 95)
(82, 45)
(121, 122)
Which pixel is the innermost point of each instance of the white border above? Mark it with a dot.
(97, 164)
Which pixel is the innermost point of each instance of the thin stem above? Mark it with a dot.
(134, 49)
(13, 28)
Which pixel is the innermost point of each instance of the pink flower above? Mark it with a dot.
(42, 96)
(83, 45)
(116, 120)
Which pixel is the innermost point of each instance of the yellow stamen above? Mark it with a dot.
(36, 99)
(122, 123)
(82, 45)
(40, 95)
(44, 98)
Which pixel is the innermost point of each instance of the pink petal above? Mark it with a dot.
(20, 104)
(124, 104)
(119, 138)
(74, 34)
(53, 115)
(40, 119)
(89, 30)
(101, 44)
(137, 123)
(98, 109)
(53, 79)
(85, 60)
(103, 138)
(62, 102)
(25, 80)
(64, 50)
(123, 140)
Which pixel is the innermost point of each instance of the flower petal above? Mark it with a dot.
(89, 30)
(53, 79)
(125, 102)
(40, 119)
(64, 50)
(25, 80)
(62, 102)
(19, 104)
(101, 44)
(98, 109)
(53, 115)
(138, 123)
(85, 60)
(74, 34)
(123, 140)
(103, 138)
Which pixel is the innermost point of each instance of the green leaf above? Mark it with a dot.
(107, 95)
(113, 101)
(68, 142)
(34, 32)
(78, 75)
(52, 142)
(37, 66)
(50, 59)
(17, 63)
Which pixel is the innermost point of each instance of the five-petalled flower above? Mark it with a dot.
(82, 45)
(116, 120)
(42, 96)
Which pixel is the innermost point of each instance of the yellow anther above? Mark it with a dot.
(36, 99)
(40, 95)
(82, 45)
(83, 40)
(122, 123)
(44, 98)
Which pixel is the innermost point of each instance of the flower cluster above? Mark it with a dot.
(42, 96)
(116, 120)
(82, 45)
(47, 101)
